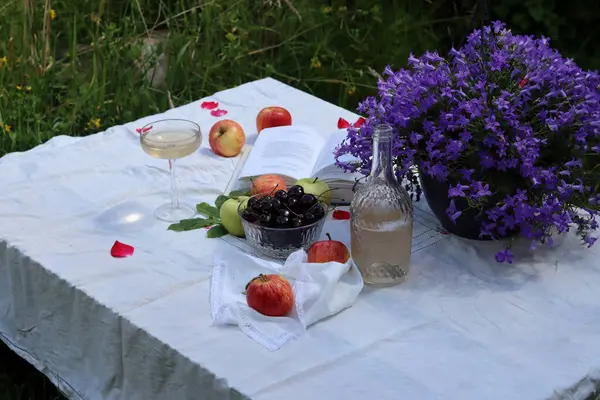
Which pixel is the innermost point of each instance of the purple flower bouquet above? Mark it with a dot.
(508, 127)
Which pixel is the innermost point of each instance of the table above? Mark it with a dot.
(462, 327)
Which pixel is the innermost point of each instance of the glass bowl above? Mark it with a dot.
(281, 242)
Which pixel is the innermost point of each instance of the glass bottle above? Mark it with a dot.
(381, 219)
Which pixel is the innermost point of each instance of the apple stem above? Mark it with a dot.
(316, 179)
(328, 235)
(263, 277)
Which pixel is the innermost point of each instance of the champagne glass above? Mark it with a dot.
(171, 139)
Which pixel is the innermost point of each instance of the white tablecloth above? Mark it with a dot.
(462, 327)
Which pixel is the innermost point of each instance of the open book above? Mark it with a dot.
(296, 152)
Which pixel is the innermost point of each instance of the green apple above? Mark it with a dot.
(316, 187)
(230, 219)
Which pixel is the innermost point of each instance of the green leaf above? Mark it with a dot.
(220, 200)
(216, 232)
(192, 223)
(208, 210)
(238, 193)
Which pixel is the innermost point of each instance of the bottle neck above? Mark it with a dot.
(381, 166)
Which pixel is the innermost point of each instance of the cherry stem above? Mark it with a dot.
(321, 195)
(290, 210)
(328, 235)
(276, 186)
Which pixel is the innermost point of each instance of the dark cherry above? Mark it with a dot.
(308, 200)
(252, 201)
(292, 202)
(249, 216)
(281, 195)
(296, 191)
(296, 222)
(265, 203)
(308, 218)
(284, 213)
(264, 219)
(282, 221)
(275, 204)
(318, 211)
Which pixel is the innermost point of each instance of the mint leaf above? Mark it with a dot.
(238, 193)
(216, 232)
(208, 210)
(220, 200)
(192, 223)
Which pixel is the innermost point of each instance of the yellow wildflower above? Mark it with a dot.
(52, 14)
(19, 87)
(315, 63)
(326, 10)
(3, 61)
(94, 122)
(352, 90)
(95, 18)
(230, 36)
(7, 128)
(28, 88)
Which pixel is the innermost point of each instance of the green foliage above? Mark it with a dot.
(76, 68)
(572, 25)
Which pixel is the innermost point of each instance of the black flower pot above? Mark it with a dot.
(436, 193)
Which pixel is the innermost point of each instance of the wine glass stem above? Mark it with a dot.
(174, 195)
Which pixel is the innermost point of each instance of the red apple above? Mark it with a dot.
(267, 185)
(226, 138)
(270, 117)
(327, 251)
(271, 295)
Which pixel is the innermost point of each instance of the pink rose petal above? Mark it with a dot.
(341, 214)
(143, 130)
(209, 105)
(218, 113)
(359, 122)
(120, 250)
(342, 123)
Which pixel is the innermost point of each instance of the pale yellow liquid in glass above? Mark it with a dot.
(381, 247)
(170, 145)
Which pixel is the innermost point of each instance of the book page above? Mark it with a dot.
(325, 167)
(291, 151)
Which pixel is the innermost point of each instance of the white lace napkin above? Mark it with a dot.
(320, 290)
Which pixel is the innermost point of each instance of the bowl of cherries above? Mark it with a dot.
(281, 223)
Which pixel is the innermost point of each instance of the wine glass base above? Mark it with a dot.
(167, 213)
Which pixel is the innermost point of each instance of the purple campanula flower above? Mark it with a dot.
(589, 240)
(504, 256)
(522, 123)
(458, 190)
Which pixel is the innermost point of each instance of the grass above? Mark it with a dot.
(78, 67)
(20, 381)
